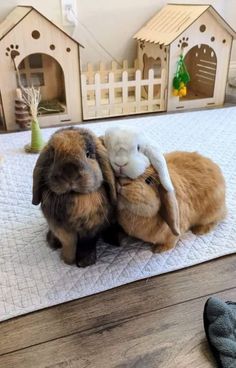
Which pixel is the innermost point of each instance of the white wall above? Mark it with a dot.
(50, 8)
(112, 23)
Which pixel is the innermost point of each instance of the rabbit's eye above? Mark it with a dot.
(89, 148)
(138, 147)
(149, 180)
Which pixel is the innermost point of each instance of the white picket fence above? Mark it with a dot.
(121, 91)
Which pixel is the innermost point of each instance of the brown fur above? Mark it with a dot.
(200, 193)
(75, 184)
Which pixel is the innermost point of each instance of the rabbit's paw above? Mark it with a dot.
(53, 241)
(87, 259)
(160, 248)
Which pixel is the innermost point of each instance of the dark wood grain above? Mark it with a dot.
(118, 304)
(167, 338)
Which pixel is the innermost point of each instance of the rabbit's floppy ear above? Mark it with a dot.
(158, 161)
(38, 181)
(108, 175)
(169, 204)
(169, 209)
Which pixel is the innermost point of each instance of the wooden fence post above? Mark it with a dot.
(125, 65)
(150, 89)
(97, 86)
(163, 95)
(102, 72)
(90, 74)
(111, 93)
(125, 107)
(137, 89)
(84, 95)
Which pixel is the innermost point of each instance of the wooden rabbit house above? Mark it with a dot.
(198, 33)
(204, 39)
(45, 56)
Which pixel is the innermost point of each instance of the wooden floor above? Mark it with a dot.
(151, 323)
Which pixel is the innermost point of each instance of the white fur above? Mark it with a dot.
(128, 149)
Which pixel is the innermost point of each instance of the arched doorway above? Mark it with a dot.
(41, 70)
(201, 63)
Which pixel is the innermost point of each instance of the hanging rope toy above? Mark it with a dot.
(181, 78)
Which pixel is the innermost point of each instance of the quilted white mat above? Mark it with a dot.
(32, 276)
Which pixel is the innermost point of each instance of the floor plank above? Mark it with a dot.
(118, 304)
(167, 338)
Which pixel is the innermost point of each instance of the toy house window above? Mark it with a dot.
(157, 68)
(35, 61)
(23, 80)
(37, 79)
(155, 64)
(41, 70)
(151, 63)
(31, 71)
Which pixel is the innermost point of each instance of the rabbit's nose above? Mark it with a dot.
(70, 171)
(120, 166)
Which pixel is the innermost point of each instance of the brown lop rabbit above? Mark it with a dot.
(75, 185)
(198, 203)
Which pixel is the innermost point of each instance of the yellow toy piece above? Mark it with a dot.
(181, 92)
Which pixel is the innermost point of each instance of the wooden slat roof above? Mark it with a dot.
(173, 19)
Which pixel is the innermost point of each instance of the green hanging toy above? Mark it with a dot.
(181, 78)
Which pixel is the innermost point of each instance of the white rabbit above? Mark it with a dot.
(130, 154)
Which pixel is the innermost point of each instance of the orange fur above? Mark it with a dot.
(200, 193)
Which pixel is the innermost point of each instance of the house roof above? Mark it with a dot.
(173, 19)
(17, 15)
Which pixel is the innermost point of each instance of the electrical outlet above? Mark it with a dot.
(69, 12)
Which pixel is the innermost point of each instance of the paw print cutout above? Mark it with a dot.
(183, 42)
(142, 45)
(12, 51)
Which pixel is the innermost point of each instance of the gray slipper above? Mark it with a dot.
(220, 327)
